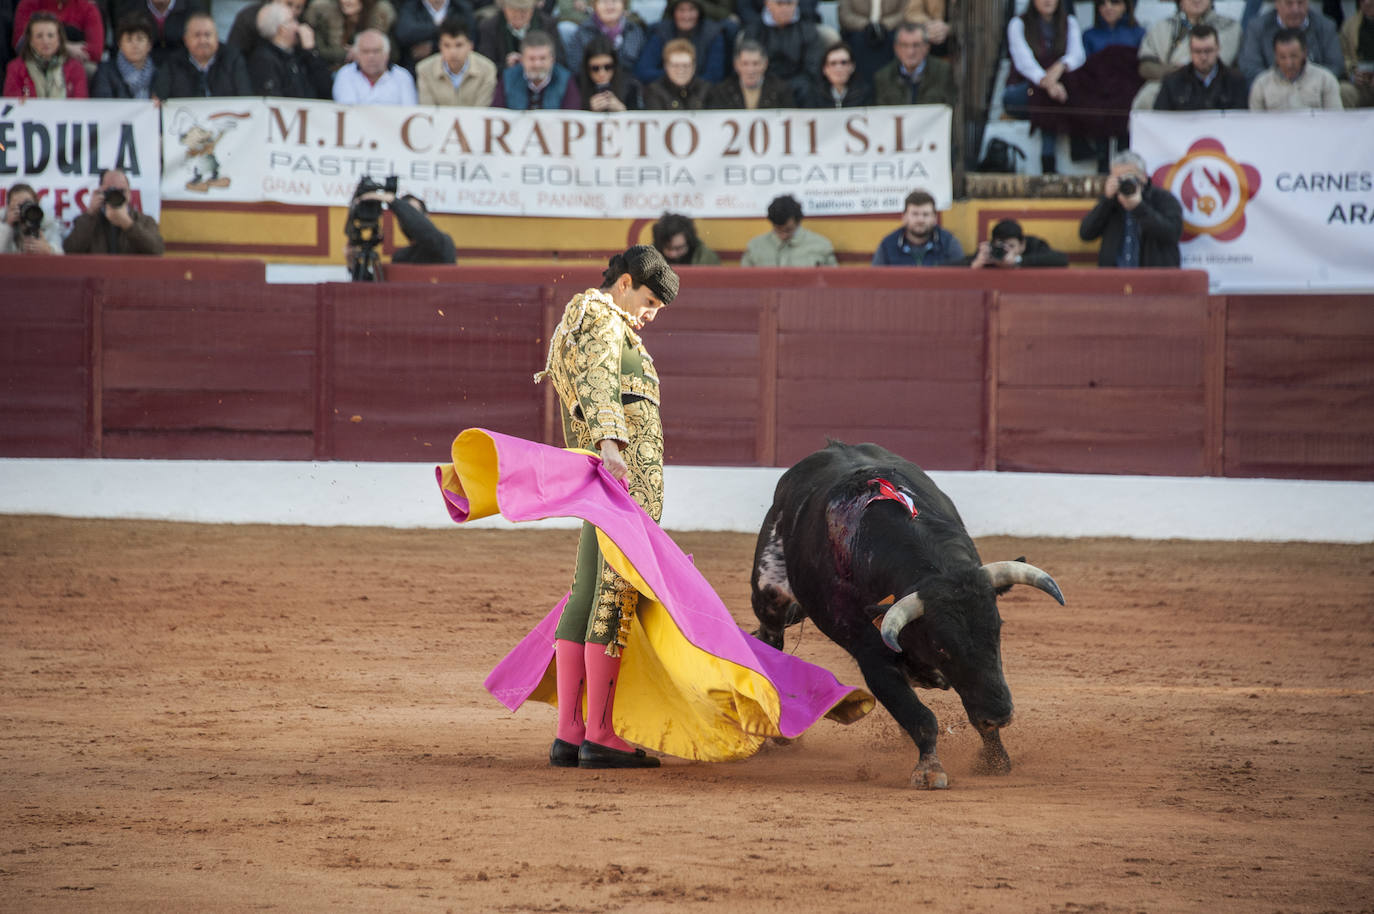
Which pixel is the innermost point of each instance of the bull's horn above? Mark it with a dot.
(1004, 574)
(905, 611)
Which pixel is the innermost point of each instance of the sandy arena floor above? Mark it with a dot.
(210, 718)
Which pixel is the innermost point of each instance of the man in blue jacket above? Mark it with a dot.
(920, 242)
(538, 81)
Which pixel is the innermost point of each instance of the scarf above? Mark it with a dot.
(138, 80)
(613, 32)
(48, 79)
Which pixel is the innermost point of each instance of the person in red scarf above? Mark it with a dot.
(82, 25)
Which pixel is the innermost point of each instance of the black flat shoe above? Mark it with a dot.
(595, 755)
(563, 754)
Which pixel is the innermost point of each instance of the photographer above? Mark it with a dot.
(1139, 224)
(110, 226)
(427, 243)
(26, 229)
(1010, 247)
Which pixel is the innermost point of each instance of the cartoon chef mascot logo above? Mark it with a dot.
(199, 140)
(1213, 189)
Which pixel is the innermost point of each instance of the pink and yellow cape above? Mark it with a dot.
(692, 682)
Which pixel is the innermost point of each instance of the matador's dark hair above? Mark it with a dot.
(646, 267)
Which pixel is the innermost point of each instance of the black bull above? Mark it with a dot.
(854, 528)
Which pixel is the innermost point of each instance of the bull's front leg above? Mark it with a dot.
(887, 681)
(992, 758)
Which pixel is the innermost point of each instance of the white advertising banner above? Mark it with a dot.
(557, 163)
(1280, 200)
(60, 147)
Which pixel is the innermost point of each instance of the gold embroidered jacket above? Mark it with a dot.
(596, 361)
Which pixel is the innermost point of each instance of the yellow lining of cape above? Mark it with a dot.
(672, 697)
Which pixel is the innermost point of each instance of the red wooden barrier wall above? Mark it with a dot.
(1068, 371)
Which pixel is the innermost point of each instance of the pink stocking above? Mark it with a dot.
(569, 668)
(602, 673)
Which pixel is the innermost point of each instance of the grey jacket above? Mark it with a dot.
(1323, 44)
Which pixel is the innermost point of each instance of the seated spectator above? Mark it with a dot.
(80, 21)
(868, 26)
(678, 89)
(603, 83)
(337, 24)
(675, 237)
(31, 234)
(499, 38)
(793, 46)
(1165, 46)
(43, 69)
(1139, 224)
(169, 20)
(1319, 33)
(110, 224)
(1294, 82)
(931, 14)
(684, 19)
(417, 26)
(1009, 248)
(1044, 44)
(131, 71)
(788, 244)
(457, 75)
(243, 34)
(538, 81)
(914, 77)
(207, 69)
(751, 86)
(285, 64)
(920, 242)
(1357, 47)
(1114, 25)
(1206, 83)
(838, 85)
(608, 20)
(372, 79)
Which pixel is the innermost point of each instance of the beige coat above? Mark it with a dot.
(1314, 88)
(435, 88)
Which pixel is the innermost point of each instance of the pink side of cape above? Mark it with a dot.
(537, 481)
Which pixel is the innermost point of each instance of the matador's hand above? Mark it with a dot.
(610, 456)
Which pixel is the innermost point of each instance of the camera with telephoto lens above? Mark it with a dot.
(31, 219)
(364, 229)
(115, 198)
(1128, 186)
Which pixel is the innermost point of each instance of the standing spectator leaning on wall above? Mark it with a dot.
(1139, 224)
(285, 64)
(457, 75)
(788, 244)
(1205, 83)
(538, 81)
(43, 69)
(207, 69)
(372, 79)
(1294, 82)
(675, 237)
(81, 25)
(337, 24)
(920, 241)
(110, 224)
(1319, 33)
(751, 86)
(130, 71)
(27, 229)
(1357, 47)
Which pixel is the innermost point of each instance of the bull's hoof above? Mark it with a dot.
(929, 776)
(993, 761)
